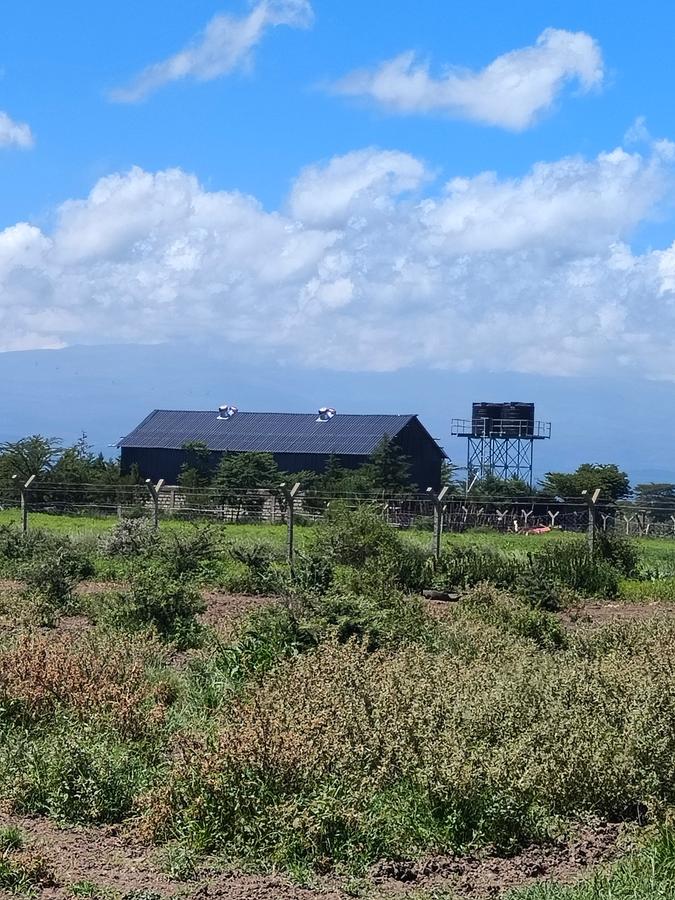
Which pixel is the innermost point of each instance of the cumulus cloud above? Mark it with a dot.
(225, 45)
(370, 265)
(511, 92)
(14, 134)
(364, 179)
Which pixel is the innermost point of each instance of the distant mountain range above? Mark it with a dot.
(106, 390)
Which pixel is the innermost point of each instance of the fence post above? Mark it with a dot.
(439, 507)
(153, 490)
(591, 499)
(289, 494)
(24, 501)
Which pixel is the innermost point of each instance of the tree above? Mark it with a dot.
(34, 455)
(492, 487)
(389, 468)
(80, 465)
(657, 497)
(448, 473)
(196, 470)
(239, 473)
(613, 483)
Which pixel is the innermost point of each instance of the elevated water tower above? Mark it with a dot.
(500, 439)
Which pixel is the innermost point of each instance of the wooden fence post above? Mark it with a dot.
(289, 494)
(591, 499)
(153, 490)
(439, 509)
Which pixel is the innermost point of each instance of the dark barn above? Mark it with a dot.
(298, 441)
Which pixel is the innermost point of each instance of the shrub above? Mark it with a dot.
(56, 573)
(571, 564)
(11, 543)
(353, 535)
(262, 640)
(157, 599)
(467, 566)
(659, 590)
(87, 676)
(392, 620)
(312, 573)
(265, 575)
(185, 552)
(343, 756)
(130, 537)
(77, 772)
(513, 616)
(619, 552)
(374, 559)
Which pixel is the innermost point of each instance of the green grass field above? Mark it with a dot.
(657, 554)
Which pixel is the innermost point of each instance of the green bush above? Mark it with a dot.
(466, 566)
(75, 773)
(648, 591)
(56, 573)
(263, 639)
(265, 572)
(312, 573)
(571, 564)
(393, 620)
(352, 535)
(12, 545)
(621, 553)
(130, 537)
(157, 599)
(511, 615)
(187, 552)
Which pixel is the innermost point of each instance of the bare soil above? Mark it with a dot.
(224, 610)
(597, 614)
(487, 876)
(112, 859)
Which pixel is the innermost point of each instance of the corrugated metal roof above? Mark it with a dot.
(356, 435)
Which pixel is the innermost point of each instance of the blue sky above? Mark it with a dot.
(497, 204)
(254, 132)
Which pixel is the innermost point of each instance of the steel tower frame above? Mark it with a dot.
(500, 453)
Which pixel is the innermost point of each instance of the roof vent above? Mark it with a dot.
(227, 411)
(326, 413)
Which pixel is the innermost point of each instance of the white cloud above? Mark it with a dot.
(511, 92)
(14, 134)
(364, 180)
(225, 45)
(534, 274)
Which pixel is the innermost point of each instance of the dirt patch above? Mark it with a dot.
(221, 607)
(490, 876)
(607, 613)
(113, 859)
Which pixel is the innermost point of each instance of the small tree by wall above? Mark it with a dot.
(241, 472)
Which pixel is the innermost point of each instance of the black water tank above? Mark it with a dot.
(485, 418)
(518, 419)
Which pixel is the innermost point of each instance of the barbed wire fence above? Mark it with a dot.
(290, 505)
